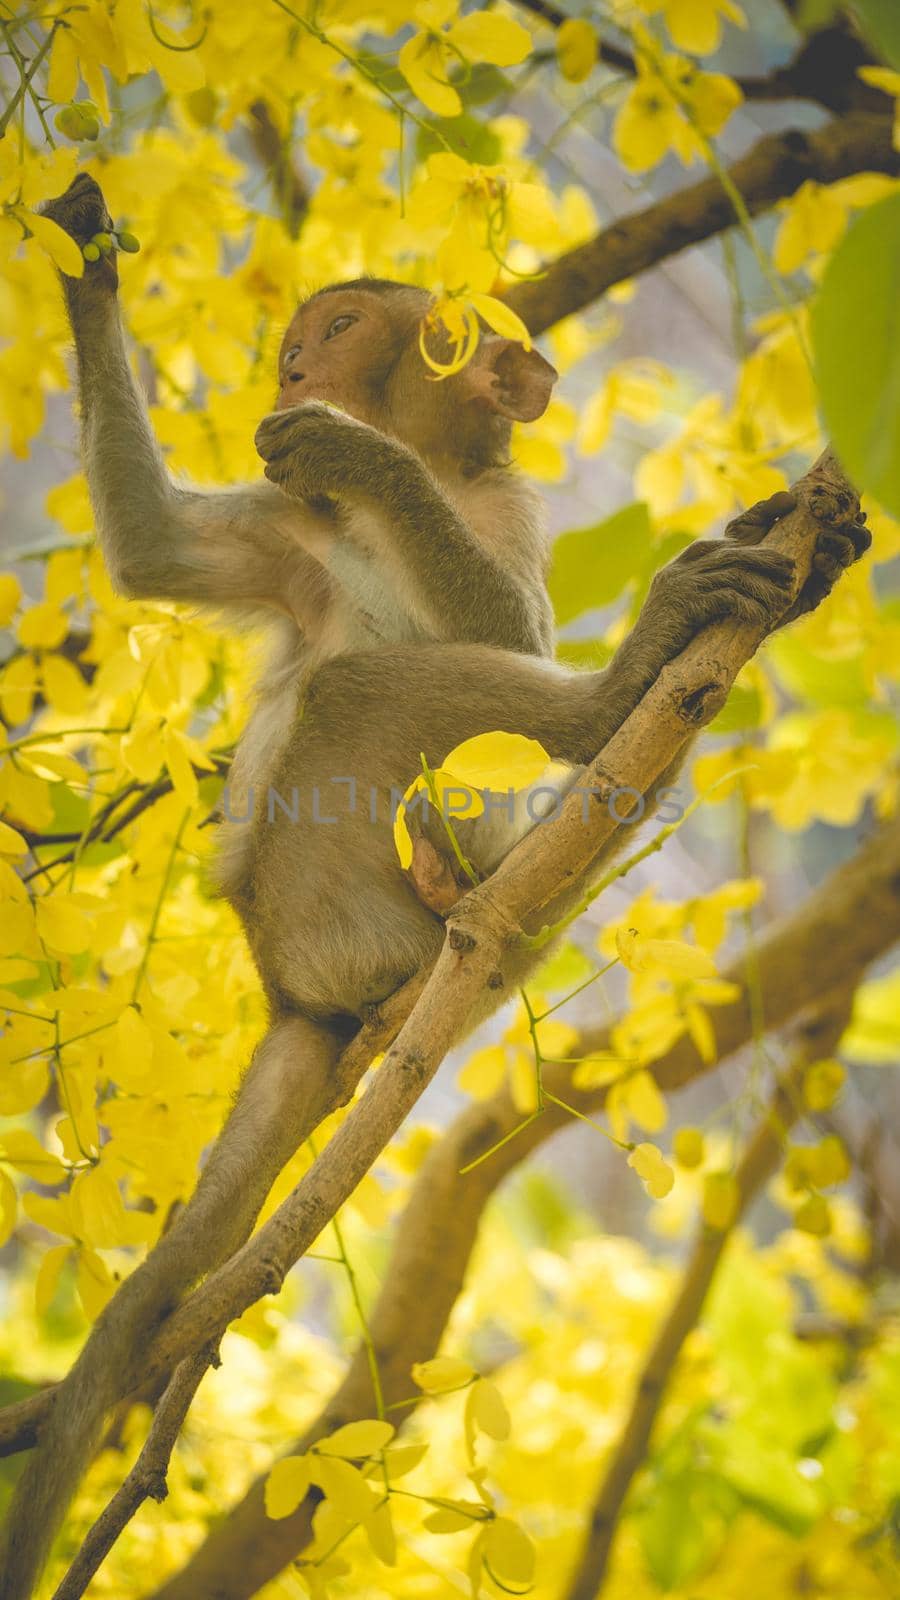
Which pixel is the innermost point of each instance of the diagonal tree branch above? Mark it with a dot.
(772, 170)
(850, 920)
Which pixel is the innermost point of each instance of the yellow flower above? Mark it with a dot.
(427, 58)
(715, 457)
(485, 1071)
(484, 209)
(696, 25)
(633, 389)
(636, 1099)
(813, 222)
(671, 106)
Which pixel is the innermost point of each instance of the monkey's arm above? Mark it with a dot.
(161, 541)
(314, 450)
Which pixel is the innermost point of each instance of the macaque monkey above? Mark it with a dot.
(400, 563)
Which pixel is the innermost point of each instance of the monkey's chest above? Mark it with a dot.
(377, 610)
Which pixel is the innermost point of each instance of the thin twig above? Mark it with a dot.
(147, 1478)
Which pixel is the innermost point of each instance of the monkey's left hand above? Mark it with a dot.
(315, 450)
(838, 545)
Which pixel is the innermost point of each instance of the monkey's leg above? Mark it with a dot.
(286, 1092)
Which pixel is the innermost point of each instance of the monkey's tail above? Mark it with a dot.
(287, 1091)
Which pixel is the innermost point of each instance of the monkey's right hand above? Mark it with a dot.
(82, 212)
(313, 450)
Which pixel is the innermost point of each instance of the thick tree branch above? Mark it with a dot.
(771, 171)
(760, 1160)
(847, 922)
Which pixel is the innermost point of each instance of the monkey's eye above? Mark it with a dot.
(339, 324)
(287, 359)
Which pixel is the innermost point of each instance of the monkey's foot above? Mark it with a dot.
(431, 875)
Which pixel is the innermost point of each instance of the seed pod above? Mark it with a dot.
(104, 242)
(79, 120)
(91, 252)
(69, 122)
(128, 242)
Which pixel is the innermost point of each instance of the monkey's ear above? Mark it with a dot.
(515, 382)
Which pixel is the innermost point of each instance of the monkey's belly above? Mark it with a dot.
(331, 917)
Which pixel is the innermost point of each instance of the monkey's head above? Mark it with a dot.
(357, 345)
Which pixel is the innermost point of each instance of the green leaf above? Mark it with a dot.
(591, 654)
(815, 679)
(566, 969)
(466, 136)
(856, 341)
(592, 566)
(815, 14)
(742, 710)
(481, 84)
(768, 1479)
(681, 1526)
(879, 21)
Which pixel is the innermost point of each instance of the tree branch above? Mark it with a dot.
(147, 1478)
(288, 184)
(772, 170)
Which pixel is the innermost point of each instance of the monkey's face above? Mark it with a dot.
(358, 347)
(341, 346)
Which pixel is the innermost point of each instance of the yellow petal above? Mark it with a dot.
(10, 595)
(441, 1374)
(286, 1486)
(509, 1554)
(576, 49)
(59, 245)
(423, 64)
(487, 36)
(501, 318)
(363, 1438)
